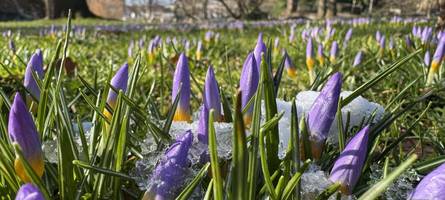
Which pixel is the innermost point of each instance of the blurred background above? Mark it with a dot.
(198, 10)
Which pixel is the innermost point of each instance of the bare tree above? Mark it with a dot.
(331, 10)
(321, 6)
(291, 6)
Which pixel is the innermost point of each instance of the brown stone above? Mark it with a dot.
(109, 9)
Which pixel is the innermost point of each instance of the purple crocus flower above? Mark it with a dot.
(348, 166)
(208, 36)
(276, 42)
(358, 59)
(211, 94)
(290, 67)
(35, 64)
(320, 55)
(334, 52)
(260, 48)
(427, 58)
(437, 60)
(203, 125)
(182, 78)
(432, 186)
(199, 50)
(119, 82)
(408, 42)
(248, 84)
(29, 192)
(391, 43)
(382, 45)
(309, 55)
(22, 130)
(322, 113)
(347, 38)
(130, 49)
(378, 36)
(169, 175)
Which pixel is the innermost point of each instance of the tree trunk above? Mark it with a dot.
(321, 5)
(371, 2)
(331, 9)
(291, 6)
(204, 8)
(50, 9)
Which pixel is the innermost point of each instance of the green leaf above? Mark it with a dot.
(188, 191)
(216, 174)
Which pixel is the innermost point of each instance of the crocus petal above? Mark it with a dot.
(290, 67)
(309, 55)
(248, 84)
(22, 130)
(347, 168)
(29, 192)
(322, 113)
(35, 64)
(169, 174)
(260, 48)
(211, 94)
(320, 55)
(432, 186)
(427, 58)
(334, 51)
(182, 78)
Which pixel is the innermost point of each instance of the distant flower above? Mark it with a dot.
(208, 36)
(29, 192)
(322, 113)
(290, 67)
(408, 42)
(358, 59)
(378, 36)
(35, 64)
(309, 55)
(169, 175)
(22, 130)
(348, 166)
(181, 78)
(320, 55)
(199, 50)
(260, 49)
(211, 94)
(382, 45)
(334, 52)
(391, 43)
(141, 43)
(276, 42)
(12, 46)
(432, 186)
(130, 49)
(248, 84)
(426, 35)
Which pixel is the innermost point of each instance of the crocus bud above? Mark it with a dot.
(290, 67)
(309, 55)
(130, 49)
(203, 125)
(382, 45)
(260, 48)
(358, 59)
(181, 78)
(29, 192)
(35, 64)
(378, 36)
(249, 79)
(334, 52)
(22, 131)
(322, 113)
(437, 60)
(119, 82)
(169, 175)
(432, 186)
(211, 94)
(408, 42)
(427, 58)
(347, 38)
(208, 36)
(320, 55)
(348, 166)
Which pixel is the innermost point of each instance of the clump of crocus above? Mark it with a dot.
(260, 49)
(322, 113)
(169, 175)
(348, 166)
(437, 60)
(181, 82)
(333, 53)
(320, 55)
(358, 59)
(432, 186)
(35, 64)
(198, 50)
(119, 82)
(29, 192)
(310, 60)
(248, 85)
(290, 67)
(22, 131)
